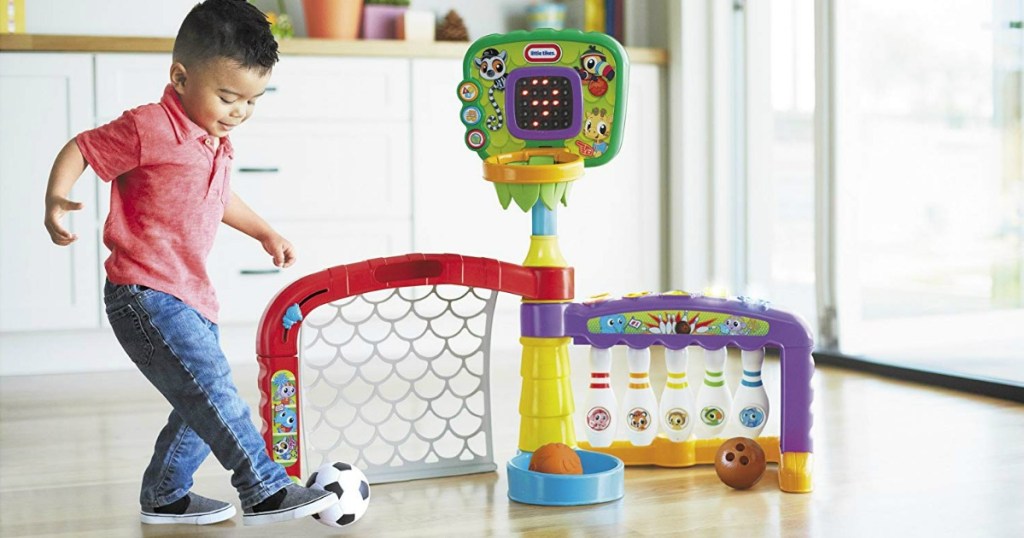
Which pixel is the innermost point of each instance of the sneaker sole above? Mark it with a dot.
(205, 518)
(298, 512)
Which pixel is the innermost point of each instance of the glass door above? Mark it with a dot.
(929, 184)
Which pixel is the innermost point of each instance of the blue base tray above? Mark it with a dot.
(601, 481)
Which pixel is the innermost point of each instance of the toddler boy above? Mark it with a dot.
(169, 166)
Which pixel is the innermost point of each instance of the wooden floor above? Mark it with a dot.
(891, 459)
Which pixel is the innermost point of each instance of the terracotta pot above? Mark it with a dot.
(333, 19)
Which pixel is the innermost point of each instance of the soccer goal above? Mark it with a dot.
(384, 364)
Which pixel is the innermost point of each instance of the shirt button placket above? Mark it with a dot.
(214, 189)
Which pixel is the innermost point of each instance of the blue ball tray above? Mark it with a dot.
(601, 481)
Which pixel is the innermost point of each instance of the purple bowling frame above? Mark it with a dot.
(788, 333)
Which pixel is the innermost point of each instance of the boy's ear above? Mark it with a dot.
(178, 76)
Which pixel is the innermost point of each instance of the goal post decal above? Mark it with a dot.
(277, 344)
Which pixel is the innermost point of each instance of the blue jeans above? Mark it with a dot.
(178, 350)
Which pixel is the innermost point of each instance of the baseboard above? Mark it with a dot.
(96, 350)
(995, 388)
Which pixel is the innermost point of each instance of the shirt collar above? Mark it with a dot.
(184, 128)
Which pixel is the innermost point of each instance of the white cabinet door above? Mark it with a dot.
(611, 230)
(46, 100)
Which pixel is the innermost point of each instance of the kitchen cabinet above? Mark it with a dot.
(45, 100)
(348, 157)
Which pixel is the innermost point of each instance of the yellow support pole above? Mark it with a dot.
(545, 403)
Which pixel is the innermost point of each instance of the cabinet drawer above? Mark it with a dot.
(324, 170)
(337, 89)
(245, 277)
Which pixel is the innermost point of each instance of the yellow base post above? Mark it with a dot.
(795, 472)
(545, 403)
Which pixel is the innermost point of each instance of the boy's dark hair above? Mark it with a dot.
(232, 29)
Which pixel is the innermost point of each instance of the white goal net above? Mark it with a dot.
(396, 382)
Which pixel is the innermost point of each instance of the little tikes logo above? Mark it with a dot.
(542, 53)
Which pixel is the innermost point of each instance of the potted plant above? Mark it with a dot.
(332, 19)
(380, 18)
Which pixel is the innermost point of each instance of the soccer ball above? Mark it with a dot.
(351, 487)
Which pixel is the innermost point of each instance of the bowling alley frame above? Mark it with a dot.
(548, 322)
(792, 449)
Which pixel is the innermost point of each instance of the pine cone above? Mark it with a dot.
(452, 29)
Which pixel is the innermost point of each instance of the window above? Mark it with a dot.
(930, 204)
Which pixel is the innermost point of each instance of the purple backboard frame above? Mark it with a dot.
(786, 332)
(549, 71)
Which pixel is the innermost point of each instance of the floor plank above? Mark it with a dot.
(891, 458)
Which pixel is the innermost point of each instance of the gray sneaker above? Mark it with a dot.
(191, 509)
(291, 502)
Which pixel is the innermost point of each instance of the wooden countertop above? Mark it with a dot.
(301, 46)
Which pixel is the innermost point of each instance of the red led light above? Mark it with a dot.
(545, 113)
(526, 92)
(536, 123)
(554, 92)
(545, 81)
(546, 102)
(555, 102)
(534, 82)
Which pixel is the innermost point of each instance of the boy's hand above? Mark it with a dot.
(280, 249)
(56, 208)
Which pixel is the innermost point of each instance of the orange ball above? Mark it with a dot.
(556, 458)
(740, 462)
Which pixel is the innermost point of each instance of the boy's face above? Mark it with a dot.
(218, 95)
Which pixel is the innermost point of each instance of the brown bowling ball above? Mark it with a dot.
(556, 458)
(740, 462)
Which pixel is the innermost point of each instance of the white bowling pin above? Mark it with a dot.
(750, 404)
(676, 398)
(640, 405)
(602, 412)
(713, 398)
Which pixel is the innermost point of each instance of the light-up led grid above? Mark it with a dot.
(547, 103)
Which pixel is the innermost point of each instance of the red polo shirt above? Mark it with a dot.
(168, 193)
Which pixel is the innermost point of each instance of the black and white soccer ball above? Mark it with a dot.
(351, 487)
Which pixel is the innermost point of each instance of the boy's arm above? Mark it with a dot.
(67, 168)
(241, 217)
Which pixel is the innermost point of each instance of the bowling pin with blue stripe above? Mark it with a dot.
(750, 404)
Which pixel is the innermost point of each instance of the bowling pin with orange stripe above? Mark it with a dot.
(640, 405)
